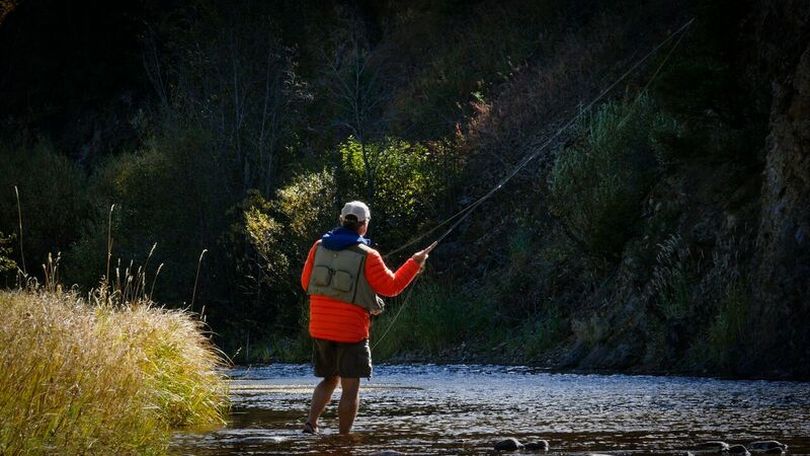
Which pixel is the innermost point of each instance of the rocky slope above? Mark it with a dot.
(782, 266)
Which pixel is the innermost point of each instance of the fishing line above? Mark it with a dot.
(465, 212)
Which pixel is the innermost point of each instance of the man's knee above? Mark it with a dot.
(350, 386)
(330, 382)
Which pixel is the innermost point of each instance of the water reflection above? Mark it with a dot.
(461, 409)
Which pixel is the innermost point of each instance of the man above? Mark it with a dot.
(343, 277)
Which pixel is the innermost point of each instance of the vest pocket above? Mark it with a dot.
(342, 281)
(321, 276)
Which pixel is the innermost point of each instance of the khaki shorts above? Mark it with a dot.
(341, 359)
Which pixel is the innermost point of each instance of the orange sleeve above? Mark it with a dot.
(308, 267)
(385, 282)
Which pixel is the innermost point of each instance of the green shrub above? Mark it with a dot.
(436, 318)
(727, 333)
(541, 332)
(282, 230)
(268, 244)
(53, 199)
(596, 186)
(6, 263)
(173, 192)
(671, 280)
(399, 181)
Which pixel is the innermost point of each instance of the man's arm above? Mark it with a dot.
(383, 280)
(305, 274)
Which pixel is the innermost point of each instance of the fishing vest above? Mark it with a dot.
(340, 274)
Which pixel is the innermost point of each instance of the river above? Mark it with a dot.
(464, 409)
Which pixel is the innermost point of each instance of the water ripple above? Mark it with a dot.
(464, 409)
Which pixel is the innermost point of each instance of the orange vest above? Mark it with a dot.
(341, 321)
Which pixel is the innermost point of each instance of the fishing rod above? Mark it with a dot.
(465, 212)
(462, 214)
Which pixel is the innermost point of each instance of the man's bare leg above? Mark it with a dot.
(320, 398)
(349, 403)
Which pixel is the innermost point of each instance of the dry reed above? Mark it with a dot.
(98, 376)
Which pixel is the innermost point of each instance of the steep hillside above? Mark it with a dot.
(666, 231)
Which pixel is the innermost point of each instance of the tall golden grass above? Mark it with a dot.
(97, 376)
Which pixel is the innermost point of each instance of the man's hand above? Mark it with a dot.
(422, 255)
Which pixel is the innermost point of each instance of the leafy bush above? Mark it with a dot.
(54, 203)
(597, 185)
(268, 243)
(173, 192)
(399, 181)
(279, 229)
(728, 331)
(6, 263)
(435, 320)
(541, 332)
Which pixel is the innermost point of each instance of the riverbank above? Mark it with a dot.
(554, 362)
(96, 376)
(501, 350)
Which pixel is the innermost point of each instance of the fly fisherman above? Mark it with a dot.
(343, 277)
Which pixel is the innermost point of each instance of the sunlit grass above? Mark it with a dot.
(93, 376)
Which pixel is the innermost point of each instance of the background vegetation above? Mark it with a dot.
(633, 242)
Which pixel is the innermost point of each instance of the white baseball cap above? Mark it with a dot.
(357, 209)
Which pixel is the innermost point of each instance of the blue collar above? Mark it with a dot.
(341, 238)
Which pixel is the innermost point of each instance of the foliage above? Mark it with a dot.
(541, 332)
(436, 319)
(101, 377)
(53, 200)
(670, 280)
(597, 185)
(400, 181)
(728, 330)
(6, 263)
(307, 204)
(301, 211)
(174, 193)
(273, 238)
(242, 128)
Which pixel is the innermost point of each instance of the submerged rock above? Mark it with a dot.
(738, 450)
(539, 445)
(713, 447)
(510, 444)
(513, 444)
(767, 447)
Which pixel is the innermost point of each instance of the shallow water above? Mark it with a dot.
(465, 409)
